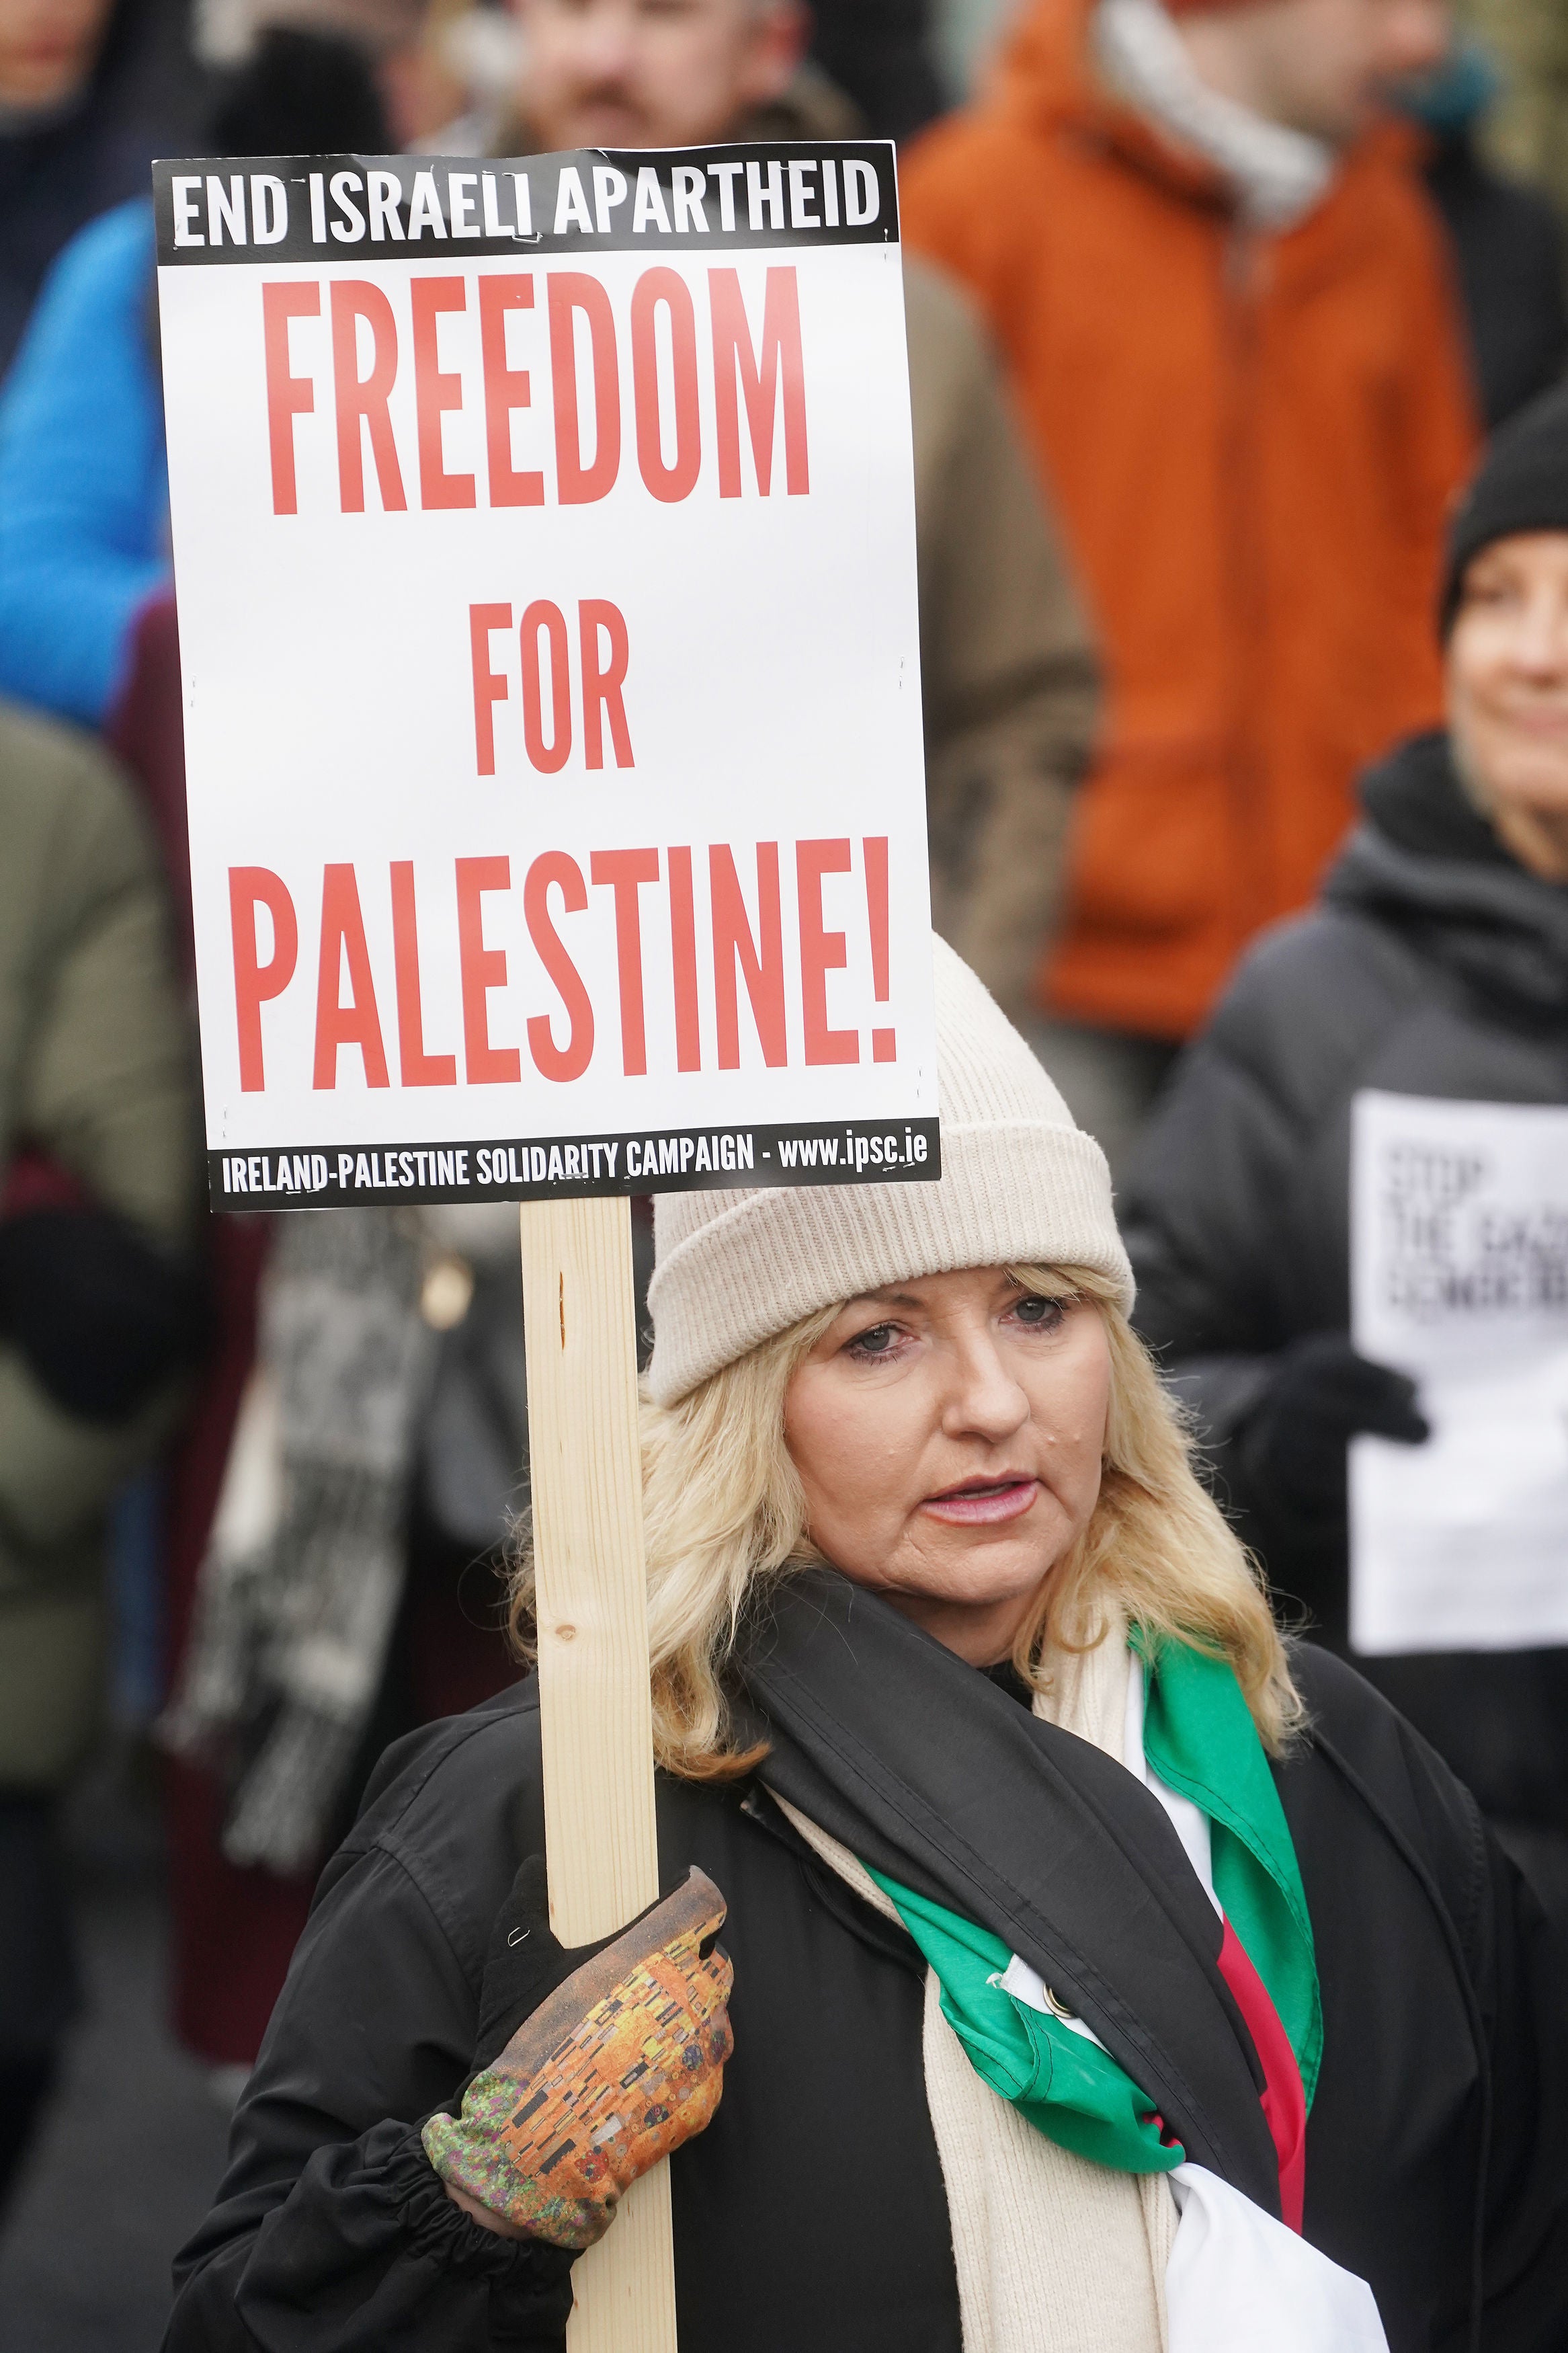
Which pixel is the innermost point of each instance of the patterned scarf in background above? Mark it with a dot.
(300, 1590)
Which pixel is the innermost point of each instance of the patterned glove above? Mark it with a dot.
(622, 2062)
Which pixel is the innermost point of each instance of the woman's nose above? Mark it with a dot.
(985, 1399)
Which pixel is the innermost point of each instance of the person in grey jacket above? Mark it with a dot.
(1436, 964)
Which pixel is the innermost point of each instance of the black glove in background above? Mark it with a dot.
(102, 1317)
(1291, 1449)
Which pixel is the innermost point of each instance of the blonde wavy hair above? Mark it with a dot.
(724, 1512)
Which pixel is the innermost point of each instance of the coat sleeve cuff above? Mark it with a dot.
(437, 2228)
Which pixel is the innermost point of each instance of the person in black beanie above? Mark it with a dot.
(1519, 493)
(1436, 963)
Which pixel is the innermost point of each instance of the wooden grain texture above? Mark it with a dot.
(601, 1842)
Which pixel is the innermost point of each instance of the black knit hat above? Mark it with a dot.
(1522, 485)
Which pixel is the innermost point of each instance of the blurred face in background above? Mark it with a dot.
(1508, 695)
(1316, 66)
(420, 93)
(652, 73)
(47, 49)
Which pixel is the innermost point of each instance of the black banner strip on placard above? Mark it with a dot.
(667, 1160)
(272, 209)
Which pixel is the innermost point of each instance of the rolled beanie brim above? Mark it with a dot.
(1020, 1186)
(1520, 486)
(1011, 1194)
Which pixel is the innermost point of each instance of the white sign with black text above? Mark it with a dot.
(544, 540)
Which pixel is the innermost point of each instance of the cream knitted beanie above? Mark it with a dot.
(1020, 1186)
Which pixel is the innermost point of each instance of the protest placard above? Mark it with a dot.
(1459, 1218)
(545, 542)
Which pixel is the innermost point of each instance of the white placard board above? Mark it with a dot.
(1459, 1258)
(545, 544)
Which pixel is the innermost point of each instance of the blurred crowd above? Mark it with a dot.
(1241, 480)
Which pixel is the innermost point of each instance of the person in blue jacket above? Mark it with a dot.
(84, 480)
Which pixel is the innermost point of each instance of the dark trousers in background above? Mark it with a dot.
(38, 1986)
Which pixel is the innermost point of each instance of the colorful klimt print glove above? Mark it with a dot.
(617, 2067)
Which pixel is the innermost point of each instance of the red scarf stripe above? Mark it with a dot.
(1284, 2098)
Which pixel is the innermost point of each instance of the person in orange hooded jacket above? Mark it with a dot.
(1206, 253)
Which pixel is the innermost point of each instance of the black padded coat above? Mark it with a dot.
(811, 2213)
(1434, 966)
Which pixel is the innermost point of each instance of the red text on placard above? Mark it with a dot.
(636, 381)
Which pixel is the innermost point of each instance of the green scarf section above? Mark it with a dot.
(1062, 2083)
(1199, 1738)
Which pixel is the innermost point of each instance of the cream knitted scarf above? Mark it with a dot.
(1053, 2254)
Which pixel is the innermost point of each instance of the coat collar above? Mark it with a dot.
(1424, 863)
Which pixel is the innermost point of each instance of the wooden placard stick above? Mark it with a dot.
(595, 1720)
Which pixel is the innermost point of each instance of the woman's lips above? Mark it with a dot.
(983, 1503)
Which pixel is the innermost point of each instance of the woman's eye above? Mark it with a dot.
(1037, 1314)
(877, 1342)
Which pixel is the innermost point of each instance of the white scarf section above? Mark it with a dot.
(1279, 174)
(1055, 2255)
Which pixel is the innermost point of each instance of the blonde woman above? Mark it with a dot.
(1097, 1971)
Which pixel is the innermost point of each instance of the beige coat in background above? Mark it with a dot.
(1008, 672)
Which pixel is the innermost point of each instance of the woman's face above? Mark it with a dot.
(1508, 695)
(948, 1433)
